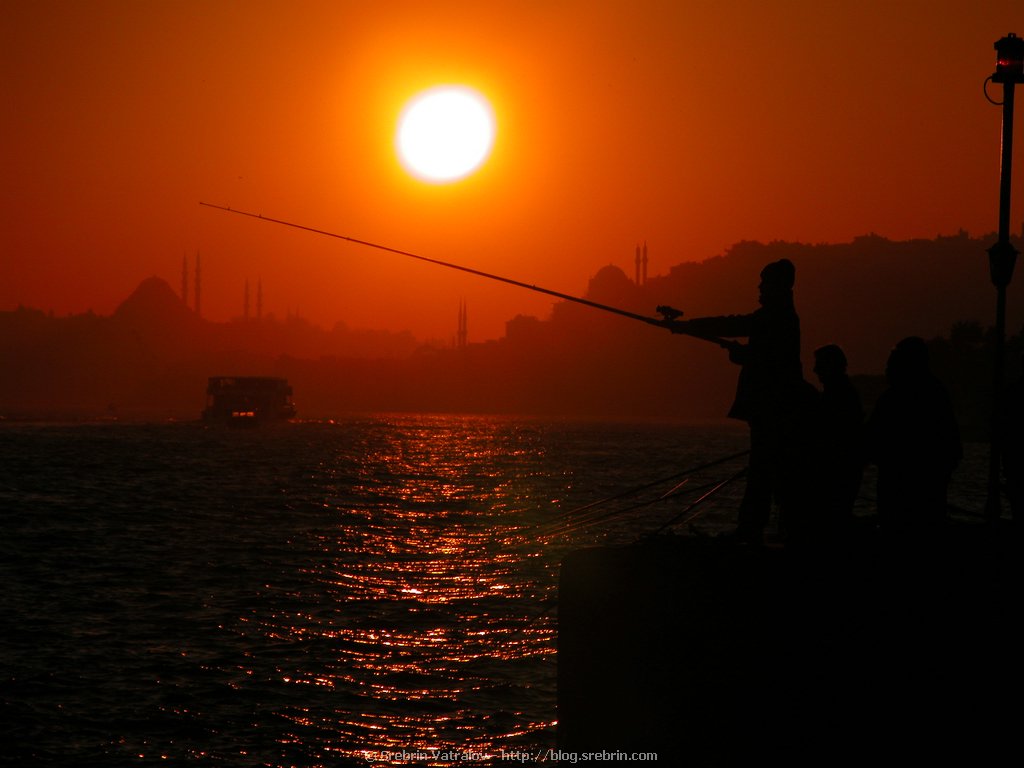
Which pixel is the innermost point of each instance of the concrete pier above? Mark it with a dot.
(714, 654)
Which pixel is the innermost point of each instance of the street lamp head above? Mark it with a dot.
(1009, 60)
(1002, 258)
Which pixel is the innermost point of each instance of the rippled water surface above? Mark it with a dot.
(307, 594)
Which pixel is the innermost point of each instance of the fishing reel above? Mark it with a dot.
(668, 314)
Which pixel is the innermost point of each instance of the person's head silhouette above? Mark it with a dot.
(829, 363)
(777, 281)
(908, 362)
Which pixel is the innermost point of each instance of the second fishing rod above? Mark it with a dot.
(669, 316)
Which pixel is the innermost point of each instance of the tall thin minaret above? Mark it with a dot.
(645, 263)
(199, 282)
(184, 279)
(637, 264)
(461, 336)
(245, 309)
(259, 299)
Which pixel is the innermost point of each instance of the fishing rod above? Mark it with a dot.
(668, 314)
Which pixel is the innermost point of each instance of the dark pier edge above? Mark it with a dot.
(713, 654)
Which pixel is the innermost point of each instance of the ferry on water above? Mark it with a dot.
(247, 400)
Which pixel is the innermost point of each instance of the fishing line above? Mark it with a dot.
(714, 489)
(563, 518)
(600, 515)
(575, 527)
(595, 507)
(671, 491)
(697, 502)
(588, 521)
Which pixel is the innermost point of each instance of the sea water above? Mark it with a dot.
(305, 594)
(371, 591)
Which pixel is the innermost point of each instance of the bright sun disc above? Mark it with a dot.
(445, 133)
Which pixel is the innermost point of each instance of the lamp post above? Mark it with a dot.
(1002, 256)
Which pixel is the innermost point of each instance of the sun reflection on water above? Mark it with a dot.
(433, 598)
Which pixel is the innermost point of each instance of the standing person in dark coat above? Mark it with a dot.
(914, 440)
(841, 435)
(771, 395)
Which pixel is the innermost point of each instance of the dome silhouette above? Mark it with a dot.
(610, 286)
(154, 305)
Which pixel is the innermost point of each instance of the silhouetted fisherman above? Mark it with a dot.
(913, 437)
(841, 437)
(1011, 445)
(771, 396)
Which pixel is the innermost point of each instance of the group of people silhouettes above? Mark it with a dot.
(809, 447)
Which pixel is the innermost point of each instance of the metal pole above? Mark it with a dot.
(1002, 257)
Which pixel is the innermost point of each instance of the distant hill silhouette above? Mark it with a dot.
(153, 355)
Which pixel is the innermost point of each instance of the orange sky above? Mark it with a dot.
(688, 124)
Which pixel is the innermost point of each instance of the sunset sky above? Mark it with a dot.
(688, 124)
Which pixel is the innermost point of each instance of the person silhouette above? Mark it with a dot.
(771, 395)
(913, 438)
(841, 436)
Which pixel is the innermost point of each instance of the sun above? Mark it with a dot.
(445, 133)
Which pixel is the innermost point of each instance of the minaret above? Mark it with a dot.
(198, 282)
(184, 279)
(645, 263)
(637, 264)
(245, 310)
(460, 337)
(259, 299)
